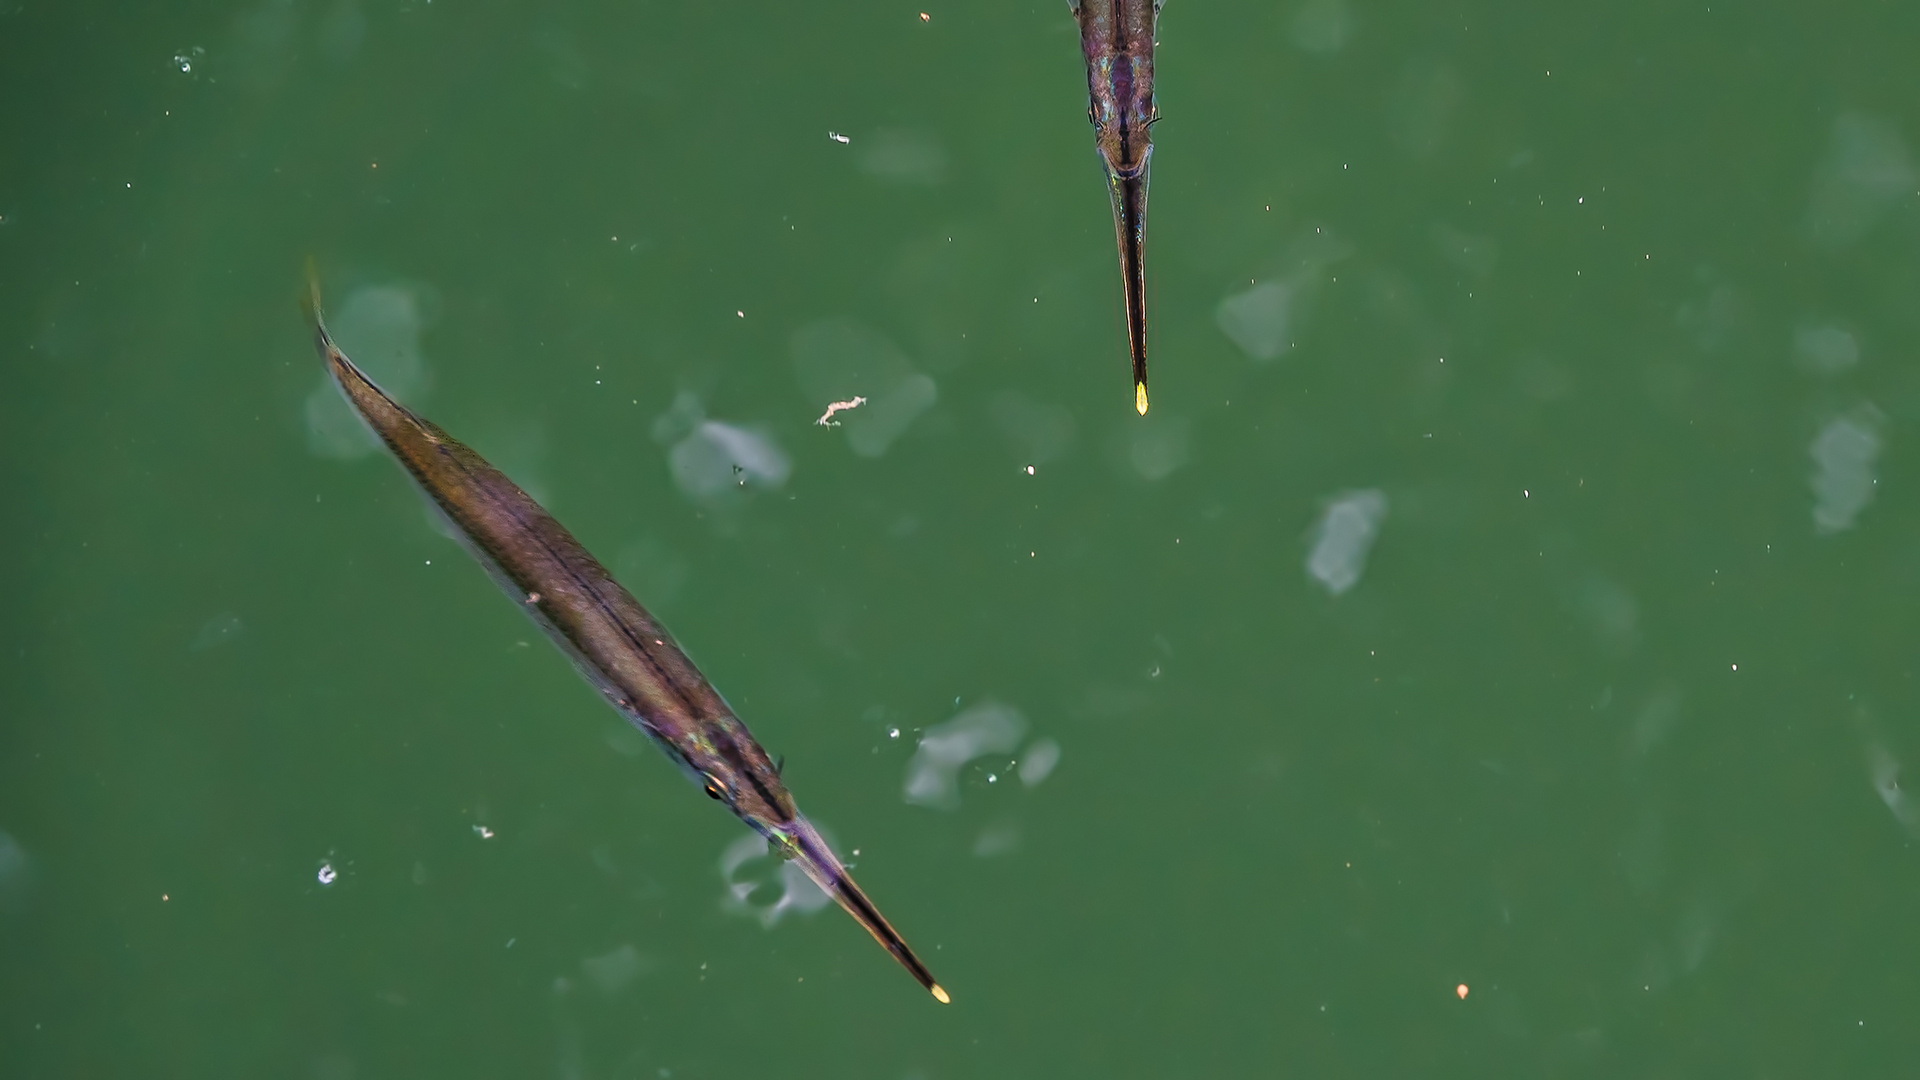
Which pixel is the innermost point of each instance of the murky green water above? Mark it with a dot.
(1511, 593)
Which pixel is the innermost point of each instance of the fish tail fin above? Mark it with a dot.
(310, 307)
(310, 300)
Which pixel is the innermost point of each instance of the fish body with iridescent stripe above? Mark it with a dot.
(1116, 36)
(628, 656)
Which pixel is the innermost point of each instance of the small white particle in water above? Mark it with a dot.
(893, 733)
(483, 832)
(837, 137)
(429, 562)
(992, 779)
(741, 314)
(1736, 667)
(856, 853)
(327, 874)
(1029, 470)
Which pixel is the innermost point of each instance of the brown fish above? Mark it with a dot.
(616, 645)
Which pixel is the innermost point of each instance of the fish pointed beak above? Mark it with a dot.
(814, 857)
(1128, 191)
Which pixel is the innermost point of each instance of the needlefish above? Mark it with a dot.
(1117, 38)
(622, 650)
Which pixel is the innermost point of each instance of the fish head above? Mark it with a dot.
(732, 768)
(1122, 109)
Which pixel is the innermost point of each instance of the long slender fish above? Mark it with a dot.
(617, 646)
(1117, 38)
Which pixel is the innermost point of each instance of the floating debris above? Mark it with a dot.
(826, 418)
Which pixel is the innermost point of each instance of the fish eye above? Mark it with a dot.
(716, 789)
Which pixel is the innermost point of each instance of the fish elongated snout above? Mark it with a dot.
(810, 851)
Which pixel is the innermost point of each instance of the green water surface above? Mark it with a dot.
(1511, 592)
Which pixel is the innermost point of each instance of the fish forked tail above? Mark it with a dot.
(310, 307)
(310, 300)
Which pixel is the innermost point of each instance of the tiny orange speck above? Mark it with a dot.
(1461, 990)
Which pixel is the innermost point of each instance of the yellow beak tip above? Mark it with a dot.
(1140, 398)
(940, 995)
